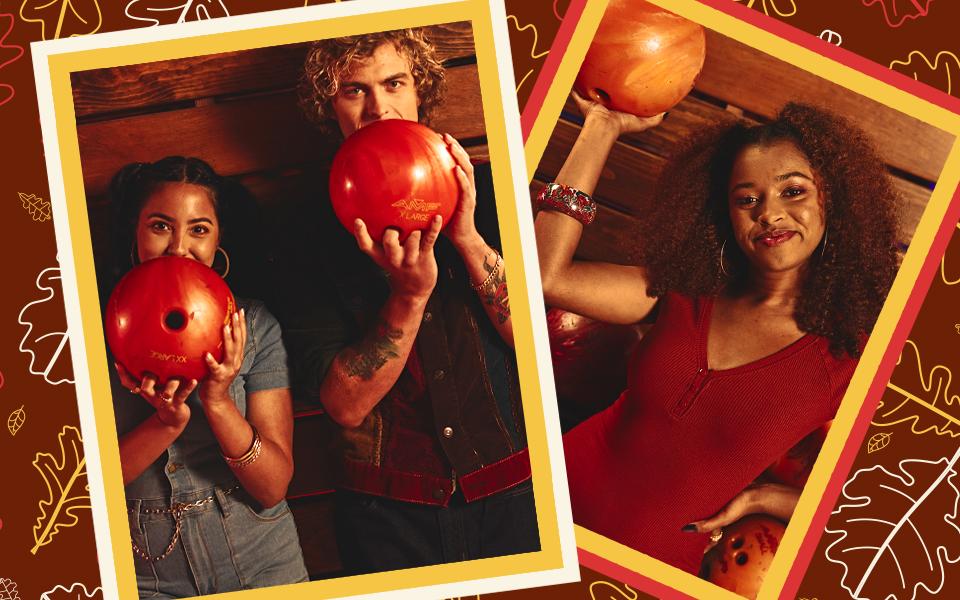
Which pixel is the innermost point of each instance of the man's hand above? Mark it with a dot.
(411, 267)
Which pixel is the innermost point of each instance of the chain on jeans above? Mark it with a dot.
(177, 511)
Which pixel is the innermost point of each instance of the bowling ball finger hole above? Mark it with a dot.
(736, 543)
(175, 320)
(600, 95)
(741, 558)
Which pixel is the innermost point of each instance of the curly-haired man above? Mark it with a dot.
(410, 351)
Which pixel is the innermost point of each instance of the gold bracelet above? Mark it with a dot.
(493, 272)
(251, 455)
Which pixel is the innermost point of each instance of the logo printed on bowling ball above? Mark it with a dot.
(643, 59)
(393, 174)
(165, 315)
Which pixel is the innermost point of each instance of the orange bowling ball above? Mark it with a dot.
(741, 559)
(165, 314)
(393, 174)
(643, 59)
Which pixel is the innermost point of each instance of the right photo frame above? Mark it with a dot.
(722, 282)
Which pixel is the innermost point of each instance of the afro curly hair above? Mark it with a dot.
(851, 272)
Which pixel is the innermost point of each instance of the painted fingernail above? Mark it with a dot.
(689, 528)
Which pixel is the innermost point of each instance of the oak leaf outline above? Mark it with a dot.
(907, 493)
(36, 8)
(67, 488)
(38, 208)
(899, 18)
(44, 283)
(927, 408)
(164, 14)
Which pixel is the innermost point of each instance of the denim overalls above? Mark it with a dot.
(224, 542)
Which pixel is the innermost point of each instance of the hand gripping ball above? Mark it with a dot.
(165, 314)
(643, 59)
(393, 173)
(741, 559)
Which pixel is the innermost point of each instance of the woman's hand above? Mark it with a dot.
(411, 267)
(623, 122)
(215, 388)
(462, 230)
(169, 402)
(774, 499)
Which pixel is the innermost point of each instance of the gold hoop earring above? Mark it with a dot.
(226, 257)
(823, 248)
(723, 270)
(134, 261)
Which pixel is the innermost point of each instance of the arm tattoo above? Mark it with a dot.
(365, 358)
(495, 293)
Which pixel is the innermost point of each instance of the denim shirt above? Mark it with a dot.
(194, 462)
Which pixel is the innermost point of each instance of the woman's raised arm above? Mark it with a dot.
(604, 291)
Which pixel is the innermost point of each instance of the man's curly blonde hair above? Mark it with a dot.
(329, 60)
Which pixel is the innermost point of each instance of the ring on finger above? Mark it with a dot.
(135, 390)
(716, 535)
(165, 397)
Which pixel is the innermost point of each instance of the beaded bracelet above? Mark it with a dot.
(570, 201)
(250, 456)
(493, 273)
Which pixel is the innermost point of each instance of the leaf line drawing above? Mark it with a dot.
(63, 16)
(878, 441)
(73, 593)
(894, 16)
(8, 589)
(65, 477)
(945, 61)
(162, 12)
(766, 4)
(50, 348)
(15, 420)
(6, 28)
(926, 411)
(38, 208)
(533, 48)
(633, 595)
(875, 545)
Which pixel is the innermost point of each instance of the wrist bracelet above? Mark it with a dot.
(250, 456)
(491, 275)
(570, 201)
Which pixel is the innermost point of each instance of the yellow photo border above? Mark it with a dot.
(555, 561)
(930, 222)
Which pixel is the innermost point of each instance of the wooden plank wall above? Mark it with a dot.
(238, 111)
(739, 79)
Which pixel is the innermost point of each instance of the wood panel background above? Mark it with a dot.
(741, 80)
(238, 111)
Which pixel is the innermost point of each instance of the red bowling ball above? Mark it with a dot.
(643, 59)
(393, 173)
(165, 314)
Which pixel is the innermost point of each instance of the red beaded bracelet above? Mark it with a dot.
(570, 201)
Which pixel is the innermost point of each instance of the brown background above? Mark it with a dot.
(28, 248)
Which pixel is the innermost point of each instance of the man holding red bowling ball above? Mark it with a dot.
(409, 348)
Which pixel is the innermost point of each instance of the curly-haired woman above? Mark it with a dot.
(766, 255)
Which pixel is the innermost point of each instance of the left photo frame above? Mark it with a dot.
(466, 431)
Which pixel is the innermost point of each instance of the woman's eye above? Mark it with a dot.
(159, 226)
(793, 191)
(745, 201)
(396, 83)
(200, 230)
(351, 92)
